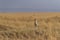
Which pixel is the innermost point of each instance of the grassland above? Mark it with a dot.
(20, 26)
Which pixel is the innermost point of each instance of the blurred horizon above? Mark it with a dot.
(27, 10)
(29, 5)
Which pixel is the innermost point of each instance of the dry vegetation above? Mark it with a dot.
(20, 26)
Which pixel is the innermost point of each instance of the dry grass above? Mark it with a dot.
(20, 26)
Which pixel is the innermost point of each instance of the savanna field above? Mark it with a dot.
(20, 26)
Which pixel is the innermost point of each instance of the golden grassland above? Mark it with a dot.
(20, 26)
